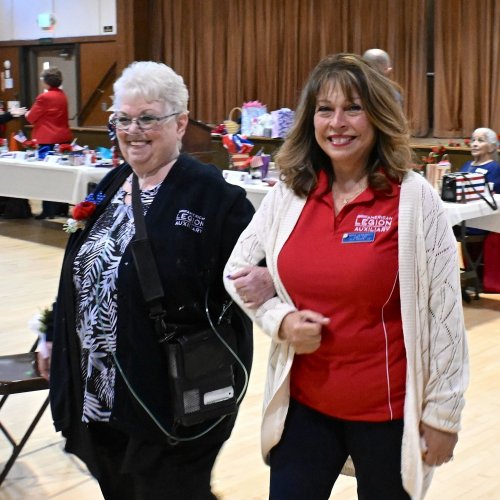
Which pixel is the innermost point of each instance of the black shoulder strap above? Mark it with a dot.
(491, 203)
(152, 289)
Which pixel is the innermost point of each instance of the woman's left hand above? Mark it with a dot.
(44, 356)
(439, 445)
(254, 285)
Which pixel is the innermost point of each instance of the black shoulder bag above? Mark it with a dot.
(201, 360)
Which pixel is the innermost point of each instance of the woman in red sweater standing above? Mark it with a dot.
(49, 117)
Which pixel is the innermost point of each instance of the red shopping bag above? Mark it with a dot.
(491, 261)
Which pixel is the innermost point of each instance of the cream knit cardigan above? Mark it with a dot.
(431, 311)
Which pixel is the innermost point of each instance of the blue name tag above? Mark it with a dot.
(358, 237)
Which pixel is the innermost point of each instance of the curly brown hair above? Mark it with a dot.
(52, 77)
(300, 158)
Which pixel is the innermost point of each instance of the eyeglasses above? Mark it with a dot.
(144, 122)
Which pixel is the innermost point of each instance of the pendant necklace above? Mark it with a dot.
(345, 200)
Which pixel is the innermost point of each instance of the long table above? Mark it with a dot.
(45, 181)
(38, 180)
(475, 214)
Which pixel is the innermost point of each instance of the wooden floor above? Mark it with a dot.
(30, 257)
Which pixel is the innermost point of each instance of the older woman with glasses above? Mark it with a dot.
(109, 375)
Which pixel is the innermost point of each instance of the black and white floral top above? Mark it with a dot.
(95, 271)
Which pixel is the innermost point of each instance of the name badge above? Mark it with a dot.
(358, 237)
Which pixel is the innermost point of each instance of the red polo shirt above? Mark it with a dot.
(346, 268)
(49, 116)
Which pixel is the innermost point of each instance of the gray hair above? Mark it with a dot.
(152, 81)
(491, 138)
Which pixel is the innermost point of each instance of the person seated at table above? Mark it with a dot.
(484, 150)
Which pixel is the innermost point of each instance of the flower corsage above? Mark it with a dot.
(82, 212)
(39, 324)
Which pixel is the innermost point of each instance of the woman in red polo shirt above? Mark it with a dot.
(49, 117)
(368, 355)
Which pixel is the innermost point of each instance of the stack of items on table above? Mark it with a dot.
(255, 121)
(21, 148)
(239, 149)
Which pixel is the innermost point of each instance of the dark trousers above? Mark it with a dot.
(14, 208)
(134, 470)
(54, 208)
(314, 447)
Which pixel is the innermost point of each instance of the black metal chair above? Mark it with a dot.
(472, 256)
(19, 373)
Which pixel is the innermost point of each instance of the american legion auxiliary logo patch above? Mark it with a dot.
(190, 220)
(372, 223)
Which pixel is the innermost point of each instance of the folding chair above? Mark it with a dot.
(19, 373)
(472, 261)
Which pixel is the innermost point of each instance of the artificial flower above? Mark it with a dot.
(41, 321)
(30, 144)
(436, 154)
(39, 324)
(82, 211)
(219, 130)
(438, 150)
(65, 148)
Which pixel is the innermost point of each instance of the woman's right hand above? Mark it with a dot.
(43, 357)
(302, 330)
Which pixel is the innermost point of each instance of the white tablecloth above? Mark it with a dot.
(476, 213)
(255, 192)
(43, 181)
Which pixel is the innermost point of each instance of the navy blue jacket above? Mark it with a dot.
(193, 225)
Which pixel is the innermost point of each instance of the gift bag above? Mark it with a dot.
(491, 262)
(461, 187)
(240, 161)
(249, 116)
(442, 168)
(282, 121)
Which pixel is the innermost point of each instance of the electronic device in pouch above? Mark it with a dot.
(201, 360)
(201, 373)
